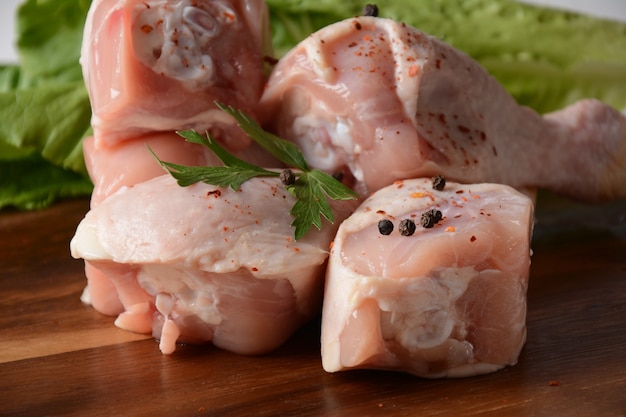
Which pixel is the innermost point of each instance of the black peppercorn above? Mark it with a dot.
(385, 227)
(338, 176)
(439, 183)
(370, 10)
(430, 218)
(287, 177)
(406, 227)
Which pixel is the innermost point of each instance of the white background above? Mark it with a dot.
(612, 9)
(7, 30)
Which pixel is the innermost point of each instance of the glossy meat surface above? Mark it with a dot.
(391, 102)
(159, 65)
(446, 301)
(203, 263)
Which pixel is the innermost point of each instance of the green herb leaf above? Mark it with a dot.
(331, 187)
(283, 150)
(310, 205)
(312, 188)
(234, 172)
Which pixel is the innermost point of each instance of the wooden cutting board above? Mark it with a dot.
(60, 357)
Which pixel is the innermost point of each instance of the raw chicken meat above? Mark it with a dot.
(128, 163)
(391, 102)
(158, 65)
(153, 67)
(204, 263)
(445, 301)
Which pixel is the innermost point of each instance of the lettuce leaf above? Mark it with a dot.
(44, 108)
(30, 183)
(49, 35)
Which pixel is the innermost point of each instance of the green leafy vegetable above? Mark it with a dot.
(49, 36)
(44, 108)
(32, 183)
(312, 188)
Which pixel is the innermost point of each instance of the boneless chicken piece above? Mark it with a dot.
(159, 65)
(391, 102)
(205, 264)
(447, 300)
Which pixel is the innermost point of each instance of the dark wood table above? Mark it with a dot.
(60, 357)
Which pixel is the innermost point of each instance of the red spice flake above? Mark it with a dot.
(475, 196)
(463, 129)
(464, 199)
(438, 63)
(418, 195)
(380, 211)
(229, 16)
(352, 44)
(225, 228)
(473, 238)
(449, 229)
(332, 244)
(357, 68)
(554, 383)
(146, 28)
(460, 191)
(398, 183)
(254, 269)
(367, 38)
(214, 193)
(201, 409)
(413, 70)
(357, 25)
(296, 249)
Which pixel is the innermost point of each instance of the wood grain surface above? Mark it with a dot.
(59, 357)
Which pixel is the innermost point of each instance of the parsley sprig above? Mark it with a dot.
(312, 187)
